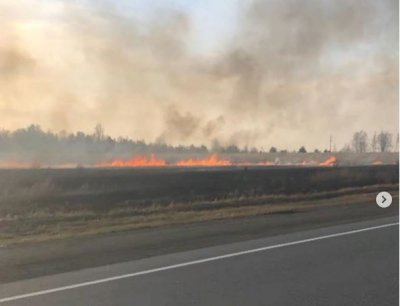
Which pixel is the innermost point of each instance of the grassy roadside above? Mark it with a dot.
(45, 224)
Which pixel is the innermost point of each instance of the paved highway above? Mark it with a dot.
(350, 264)
(32, 260)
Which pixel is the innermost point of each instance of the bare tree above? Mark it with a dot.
(384, 141)
(98, 132)
(360, 141)
(273, 150)
(374, 143)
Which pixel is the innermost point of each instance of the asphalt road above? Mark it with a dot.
(32, 260)
(347, 264)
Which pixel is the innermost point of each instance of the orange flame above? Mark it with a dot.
(137, 161)
(152, 161)
(13, 164)
(211, 161)
(378, 162)
(331, 161)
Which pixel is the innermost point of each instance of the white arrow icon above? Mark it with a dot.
(384, 199)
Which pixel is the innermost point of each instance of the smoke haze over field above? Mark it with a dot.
(284, 73)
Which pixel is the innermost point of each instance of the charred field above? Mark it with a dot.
(41, 204)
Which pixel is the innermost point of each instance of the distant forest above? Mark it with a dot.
(34, 144)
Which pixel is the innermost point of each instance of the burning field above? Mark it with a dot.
(211, 161)
(222, 160)
(118, 115)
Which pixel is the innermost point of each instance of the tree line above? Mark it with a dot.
(380, 142)
(32, 143)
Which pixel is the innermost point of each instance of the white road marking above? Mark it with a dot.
(190, 263)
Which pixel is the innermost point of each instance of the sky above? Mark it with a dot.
(250, 73)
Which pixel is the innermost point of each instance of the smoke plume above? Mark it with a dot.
(293, 73)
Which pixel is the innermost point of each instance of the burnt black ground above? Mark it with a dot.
(101, 190)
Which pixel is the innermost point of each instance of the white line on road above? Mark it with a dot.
(190, 263)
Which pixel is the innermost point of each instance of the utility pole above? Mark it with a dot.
(330, 143)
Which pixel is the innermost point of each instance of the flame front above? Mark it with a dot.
(211, 161)
(331, 161)
(152, 160)
(14, 164)
(137, 161)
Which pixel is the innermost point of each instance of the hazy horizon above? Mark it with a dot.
(251, 73)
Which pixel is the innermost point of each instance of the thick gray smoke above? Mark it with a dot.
(294, 73)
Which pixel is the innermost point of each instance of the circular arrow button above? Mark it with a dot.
(383, 199)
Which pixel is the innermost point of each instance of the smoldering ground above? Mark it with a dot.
(292, 73)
